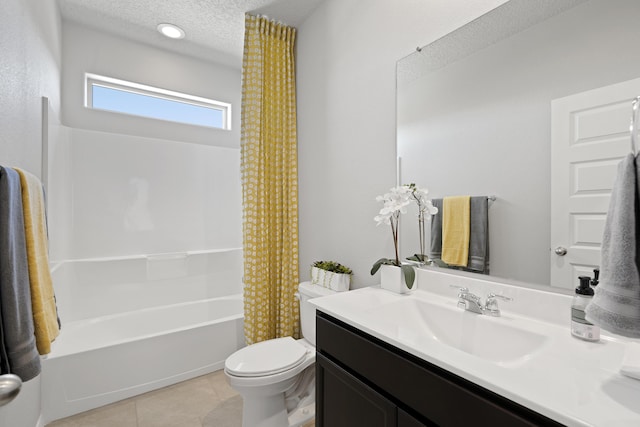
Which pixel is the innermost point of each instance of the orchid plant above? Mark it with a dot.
(395, 202)
(419, 195)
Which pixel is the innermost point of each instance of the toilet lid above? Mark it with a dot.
(266, 358)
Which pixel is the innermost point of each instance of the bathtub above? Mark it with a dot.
(135, 324)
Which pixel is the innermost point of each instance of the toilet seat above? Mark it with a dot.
(266, 358)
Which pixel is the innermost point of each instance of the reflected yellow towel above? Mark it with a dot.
(456, 230)
(43, 304)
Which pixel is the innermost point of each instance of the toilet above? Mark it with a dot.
(276, 378)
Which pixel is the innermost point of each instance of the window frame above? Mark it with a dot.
(155, 92)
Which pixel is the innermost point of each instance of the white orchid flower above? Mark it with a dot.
(430, 208)
(395, 203)
(383, 219)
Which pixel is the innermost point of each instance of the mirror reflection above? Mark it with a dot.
(474, 117)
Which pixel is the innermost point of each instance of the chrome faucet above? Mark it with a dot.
(491, 305)
(471, 302)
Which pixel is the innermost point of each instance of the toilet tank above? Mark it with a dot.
(307, 291)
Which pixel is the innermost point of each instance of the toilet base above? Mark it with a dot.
(270, 412)
(303, 415)
(264, 411)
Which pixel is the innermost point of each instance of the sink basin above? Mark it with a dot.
(491, 338)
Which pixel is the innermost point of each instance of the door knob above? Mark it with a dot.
(561, 251)
(9, 388)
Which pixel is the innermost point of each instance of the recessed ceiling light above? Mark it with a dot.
(171, 31)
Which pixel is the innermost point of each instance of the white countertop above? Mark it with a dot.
(574, 382)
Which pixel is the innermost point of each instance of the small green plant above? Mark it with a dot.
(332, 266)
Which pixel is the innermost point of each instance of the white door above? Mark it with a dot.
(589, 136)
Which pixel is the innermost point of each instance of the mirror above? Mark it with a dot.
(474, 114)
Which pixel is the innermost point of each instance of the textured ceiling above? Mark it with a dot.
(498, 24)
(214, 28)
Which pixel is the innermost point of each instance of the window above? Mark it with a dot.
(105, 93)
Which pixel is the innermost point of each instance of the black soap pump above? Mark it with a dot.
(596, 274)
(580, 328)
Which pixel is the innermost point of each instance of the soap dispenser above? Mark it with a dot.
(580, 328)
(596, 274)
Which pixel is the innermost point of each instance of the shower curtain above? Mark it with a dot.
(269, 181)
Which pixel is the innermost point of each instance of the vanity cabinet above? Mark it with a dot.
(364, 381)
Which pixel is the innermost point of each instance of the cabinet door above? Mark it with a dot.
(406, 420)
(344, 401)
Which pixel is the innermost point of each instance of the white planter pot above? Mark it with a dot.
(330, 280)
(392, 279)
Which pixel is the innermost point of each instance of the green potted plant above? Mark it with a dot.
(331, 275)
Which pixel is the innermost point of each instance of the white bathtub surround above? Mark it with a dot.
(130, 195)
(167, 266)
(132, 325)
(91, 288)
(527, 355)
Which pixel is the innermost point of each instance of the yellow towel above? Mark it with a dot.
(456, 230)
(43, 304)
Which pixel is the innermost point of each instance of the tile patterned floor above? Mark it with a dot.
(206, 401)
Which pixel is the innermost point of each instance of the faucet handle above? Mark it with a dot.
(462, 292)
(502, 297)
(461, 289)
(491, 305)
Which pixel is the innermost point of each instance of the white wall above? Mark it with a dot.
(138, 185)
(90, 51)
(29, 69)
(346, 57)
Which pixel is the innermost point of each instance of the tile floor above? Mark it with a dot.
(205, 401)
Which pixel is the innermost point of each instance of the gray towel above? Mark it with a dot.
(479, 235)
(435, 251)
(616, 304)
(478, 238)
(19, 353)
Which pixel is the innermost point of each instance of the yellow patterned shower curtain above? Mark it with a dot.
(269, 181)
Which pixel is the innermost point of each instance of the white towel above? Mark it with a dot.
(631, 362)
(616, 304)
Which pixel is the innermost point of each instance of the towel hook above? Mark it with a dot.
(635, 106)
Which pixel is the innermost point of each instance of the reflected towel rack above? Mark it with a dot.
(635, 105)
